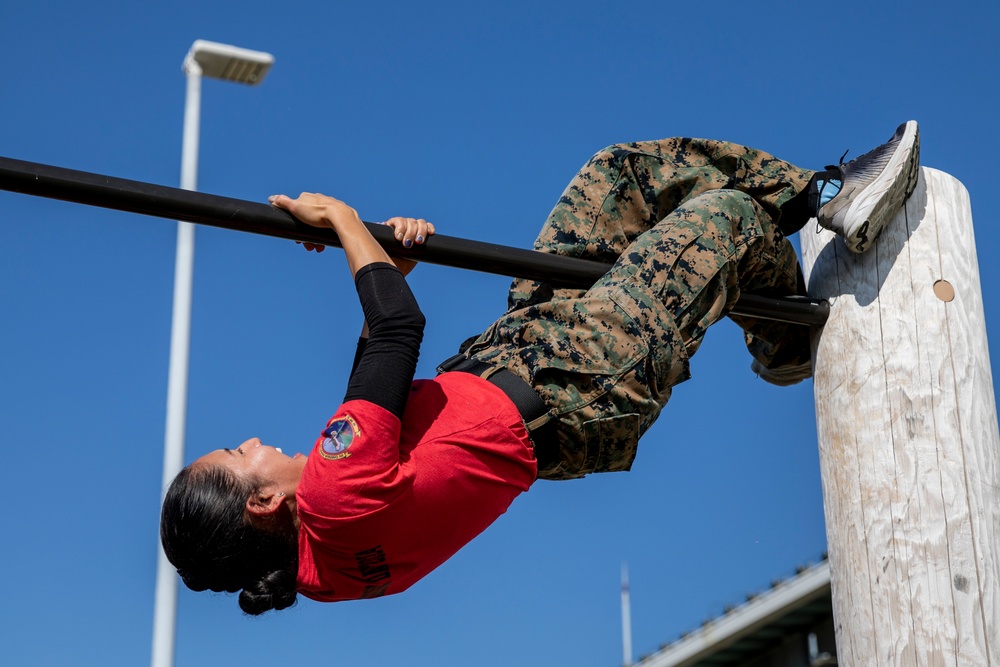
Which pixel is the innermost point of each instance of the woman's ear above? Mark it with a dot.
(264, 503)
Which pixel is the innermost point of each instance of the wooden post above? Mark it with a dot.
(909, 446)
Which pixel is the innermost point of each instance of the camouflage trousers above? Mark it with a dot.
(689, 224)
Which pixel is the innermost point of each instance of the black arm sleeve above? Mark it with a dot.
(384, 371)
(358, 351)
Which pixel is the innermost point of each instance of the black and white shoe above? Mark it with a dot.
(873, 188)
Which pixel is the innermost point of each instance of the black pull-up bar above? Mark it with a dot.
(173, 203)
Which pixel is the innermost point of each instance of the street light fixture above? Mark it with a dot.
(228, 63)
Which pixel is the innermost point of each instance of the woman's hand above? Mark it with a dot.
(317, 209)
(314, 209)
(409, 231)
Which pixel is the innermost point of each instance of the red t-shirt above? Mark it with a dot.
(383, 502)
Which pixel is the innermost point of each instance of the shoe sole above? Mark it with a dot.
(885, 197)
(783, 377)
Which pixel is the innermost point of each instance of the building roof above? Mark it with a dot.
(742, 631)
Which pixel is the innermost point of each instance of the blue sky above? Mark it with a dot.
(473, 116)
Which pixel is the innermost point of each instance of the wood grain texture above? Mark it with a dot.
(908, 438)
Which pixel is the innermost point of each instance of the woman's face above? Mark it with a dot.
(266, 463)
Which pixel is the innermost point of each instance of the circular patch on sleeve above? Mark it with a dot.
(338, 438)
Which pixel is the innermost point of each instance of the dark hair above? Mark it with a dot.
(207, 536)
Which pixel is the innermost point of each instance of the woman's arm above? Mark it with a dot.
(407, 231)
(385, 368)
(321, 211)
(385, 363)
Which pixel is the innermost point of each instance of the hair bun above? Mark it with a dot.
(276, 590)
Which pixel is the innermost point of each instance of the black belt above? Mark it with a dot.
(525, 399)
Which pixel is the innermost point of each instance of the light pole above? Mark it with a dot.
(229, 63)
(626, 619)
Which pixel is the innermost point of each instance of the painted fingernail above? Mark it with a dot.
(420, 239)
(407, 243)
(272, 198)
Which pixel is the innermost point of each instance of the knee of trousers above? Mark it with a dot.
(744, 215)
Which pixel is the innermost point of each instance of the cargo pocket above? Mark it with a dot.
(667, 353)
(604, 444)
(614, 440)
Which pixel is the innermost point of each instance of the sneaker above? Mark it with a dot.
(873, 188)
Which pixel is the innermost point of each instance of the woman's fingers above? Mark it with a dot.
(312, 246)
(409, 231)
(424, 229)
(400, 229)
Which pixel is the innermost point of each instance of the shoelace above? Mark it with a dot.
(838, 168)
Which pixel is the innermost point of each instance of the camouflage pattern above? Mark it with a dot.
(689, 224)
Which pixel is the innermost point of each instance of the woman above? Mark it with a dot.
(562, 385)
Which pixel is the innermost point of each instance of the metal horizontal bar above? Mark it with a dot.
(161, 201)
